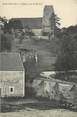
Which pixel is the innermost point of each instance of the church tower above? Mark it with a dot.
(48, 21)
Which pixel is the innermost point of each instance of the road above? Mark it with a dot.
(40, 113)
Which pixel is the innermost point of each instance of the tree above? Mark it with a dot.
(6, 36)
(6, 42)
(55, 24)
(67, 57)
(15, 24)
(5, 23)
(54, 19)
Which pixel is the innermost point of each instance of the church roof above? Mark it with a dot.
(33, 23)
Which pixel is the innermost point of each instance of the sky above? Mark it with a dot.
(65, 9)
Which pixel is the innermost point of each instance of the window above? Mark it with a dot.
(11, 89)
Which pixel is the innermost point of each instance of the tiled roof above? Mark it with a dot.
(33, 23)
(10, 62)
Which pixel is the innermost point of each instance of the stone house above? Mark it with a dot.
(12, 75)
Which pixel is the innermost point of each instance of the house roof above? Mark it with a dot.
(33, 23)
(10, 62)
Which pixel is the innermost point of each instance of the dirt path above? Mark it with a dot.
(37, 113)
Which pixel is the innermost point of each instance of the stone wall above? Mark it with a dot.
(55, 89)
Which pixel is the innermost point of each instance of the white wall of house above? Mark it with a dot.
(12, 83)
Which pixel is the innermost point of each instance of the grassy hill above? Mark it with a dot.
(46, 51)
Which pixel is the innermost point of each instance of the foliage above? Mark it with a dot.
(6, 36)
(55, 20)
(67, 57)
(4, 19)
(5, 23)
(15, 24)
(6, 42)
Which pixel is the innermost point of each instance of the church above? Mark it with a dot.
(40, 26)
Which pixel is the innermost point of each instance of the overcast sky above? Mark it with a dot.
(65, 9)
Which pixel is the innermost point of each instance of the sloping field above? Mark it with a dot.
(45, 51)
